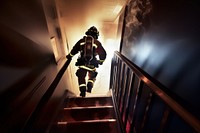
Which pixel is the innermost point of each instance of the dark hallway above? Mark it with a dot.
(149, 84)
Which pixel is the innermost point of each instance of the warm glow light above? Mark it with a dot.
(54, 46)
(103, 78)
(117, 9)
(110, 48)
(76, 23)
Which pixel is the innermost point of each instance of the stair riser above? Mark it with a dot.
(94, 127)
(92, 101)
(87, 114)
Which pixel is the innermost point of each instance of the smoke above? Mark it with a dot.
(137, 20)
(79, 15)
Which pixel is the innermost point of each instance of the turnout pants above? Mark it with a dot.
(81, 74)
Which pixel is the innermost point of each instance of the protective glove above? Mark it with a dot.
(100, 62)
(69, 57)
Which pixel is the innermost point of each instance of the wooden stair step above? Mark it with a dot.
(86, 113)
(88, 101)
(91, 126)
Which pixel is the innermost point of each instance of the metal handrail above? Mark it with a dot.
(176, 107)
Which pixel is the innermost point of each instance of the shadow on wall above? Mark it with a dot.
(19, 51)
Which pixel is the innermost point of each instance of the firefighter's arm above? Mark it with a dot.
(102, 54)
(74, 50)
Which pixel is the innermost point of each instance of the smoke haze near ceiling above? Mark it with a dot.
(77, 16)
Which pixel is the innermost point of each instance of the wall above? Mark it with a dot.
(52, 15)
(27, 64)
(161, 37)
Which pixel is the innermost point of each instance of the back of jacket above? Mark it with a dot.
(89, 48)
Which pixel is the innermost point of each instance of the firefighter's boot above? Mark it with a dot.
(82, 90)
(89, 87)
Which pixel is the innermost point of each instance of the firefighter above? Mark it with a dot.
(89, 48)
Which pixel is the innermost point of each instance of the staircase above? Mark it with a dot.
(86, 115)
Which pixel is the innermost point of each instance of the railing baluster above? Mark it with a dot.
(136, 102)
(114, 73)
(164, 120)
(120, 82)
(126, 92)
(123, 86)
(118, 78)
(146, 110)
(128, 86)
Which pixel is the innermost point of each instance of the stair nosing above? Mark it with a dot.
(86, 121)
(88, 107)
(89, 97)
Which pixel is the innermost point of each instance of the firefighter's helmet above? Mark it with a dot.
(93, 32)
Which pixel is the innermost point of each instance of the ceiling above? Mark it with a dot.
(76, 16)
(103, 10)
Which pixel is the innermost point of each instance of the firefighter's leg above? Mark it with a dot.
(81, 74)
(91, 79)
